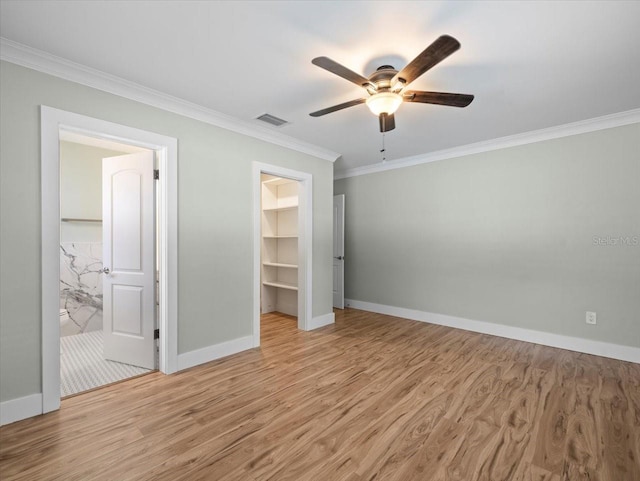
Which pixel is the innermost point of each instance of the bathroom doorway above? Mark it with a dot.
(54, 124)
(92, 352)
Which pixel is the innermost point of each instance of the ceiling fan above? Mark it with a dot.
(386, 86)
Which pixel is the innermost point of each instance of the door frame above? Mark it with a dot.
(52, 121)
(341, 241)
(305, 244)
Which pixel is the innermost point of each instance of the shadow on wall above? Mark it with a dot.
(80, 287)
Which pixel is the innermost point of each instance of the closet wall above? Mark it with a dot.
(279, 253)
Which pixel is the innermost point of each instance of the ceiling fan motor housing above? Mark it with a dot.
(381, 78)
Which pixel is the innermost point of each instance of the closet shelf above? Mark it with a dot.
(280, 284)
(279, 236)
(279, 264)
(280, 209)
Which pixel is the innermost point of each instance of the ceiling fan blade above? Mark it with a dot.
(387, 122)
(430, 56)
(341, 71)
(440, 98)
(335, 108)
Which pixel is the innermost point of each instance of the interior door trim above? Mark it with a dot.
(305, 244)
(52, 121)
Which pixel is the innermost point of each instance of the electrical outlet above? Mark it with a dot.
(591, 317)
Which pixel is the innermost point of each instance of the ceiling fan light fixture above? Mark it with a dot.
(384, 103)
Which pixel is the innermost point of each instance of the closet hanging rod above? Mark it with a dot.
(68, 219)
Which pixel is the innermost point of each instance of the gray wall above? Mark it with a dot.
(510, 236)
(215, 221)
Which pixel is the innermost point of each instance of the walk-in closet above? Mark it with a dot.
(279, 251)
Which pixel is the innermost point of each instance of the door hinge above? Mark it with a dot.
(156, 334)
(156, 174)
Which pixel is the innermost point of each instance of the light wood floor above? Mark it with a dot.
(371, 398)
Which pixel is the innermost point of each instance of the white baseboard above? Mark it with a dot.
(211, 353)
(322, 321)
(587, 346)
(21, 408)
(28, 406)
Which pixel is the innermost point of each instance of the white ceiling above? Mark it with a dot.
(531, 65)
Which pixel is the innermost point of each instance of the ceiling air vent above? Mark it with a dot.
(272, 119)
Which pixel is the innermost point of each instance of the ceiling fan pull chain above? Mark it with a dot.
(383, 150)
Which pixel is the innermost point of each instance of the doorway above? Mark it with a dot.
(283, 255)
(279, 250)
(53, 123)
(107, 252)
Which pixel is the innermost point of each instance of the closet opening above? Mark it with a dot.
(279, 249)
(283, 219)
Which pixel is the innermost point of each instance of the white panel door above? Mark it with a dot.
(338, 251)
(128, 215)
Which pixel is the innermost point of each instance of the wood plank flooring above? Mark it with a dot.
(371, 398)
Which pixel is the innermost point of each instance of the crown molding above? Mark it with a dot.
(574, 128)
(44, 62)
(35, 59)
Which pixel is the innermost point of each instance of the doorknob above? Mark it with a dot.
(105, 270)
(340, 258)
